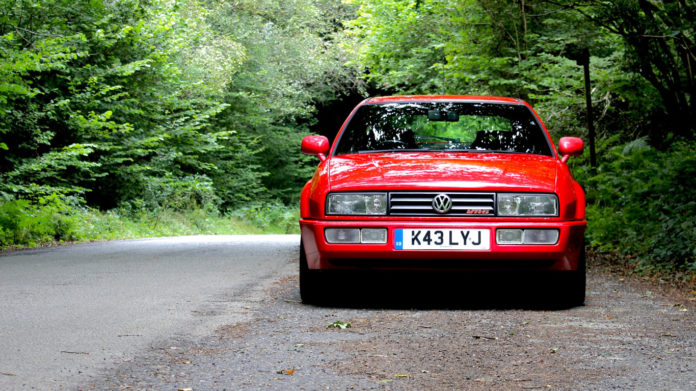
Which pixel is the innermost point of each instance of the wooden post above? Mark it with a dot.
(584, 60)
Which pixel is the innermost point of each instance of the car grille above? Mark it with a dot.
(471, 204)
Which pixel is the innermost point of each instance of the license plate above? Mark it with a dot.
(442, 239)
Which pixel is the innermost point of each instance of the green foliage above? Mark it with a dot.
(641, 203)
(275, 218)
(26, 224)
(102, 106)
(293, 62)
(660, 44)
(54, 220)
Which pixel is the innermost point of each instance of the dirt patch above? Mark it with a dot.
(683, 288)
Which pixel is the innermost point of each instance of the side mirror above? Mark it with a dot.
(316, 145)
(570, 146)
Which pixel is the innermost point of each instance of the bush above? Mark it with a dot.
(52, 219)
(271, 218)
(56, 219)
(175, 193)
(641, 202)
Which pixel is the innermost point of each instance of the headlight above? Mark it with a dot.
(527, 204)
(356, 204)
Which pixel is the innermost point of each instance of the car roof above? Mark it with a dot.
(431, 98)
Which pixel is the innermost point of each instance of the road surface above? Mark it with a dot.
(68, 312)
(223, 313)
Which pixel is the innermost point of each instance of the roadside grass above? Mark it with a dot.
(24, 225)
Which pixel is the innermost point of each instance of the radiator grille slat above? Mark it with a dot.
(472, 204)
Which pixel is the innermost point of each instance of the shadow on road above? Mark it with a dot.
(443, 290)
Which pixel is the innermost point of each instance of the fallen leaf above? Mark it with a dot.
(339, 325)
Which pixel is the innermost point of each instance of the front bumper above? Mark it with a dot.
(563, 255)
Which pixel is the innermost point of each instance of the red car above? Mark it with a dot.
(443, 183)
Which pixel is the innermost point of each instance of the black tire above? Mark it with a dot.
(577, 281)
(309, 280)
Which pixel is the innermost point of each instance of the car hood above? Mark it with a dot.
(443, 171)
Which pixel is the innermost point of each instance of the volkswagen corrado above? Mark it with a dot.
(459, 183)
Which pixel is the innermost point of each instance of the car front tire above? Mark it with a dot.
(309, 280)
(577, 282)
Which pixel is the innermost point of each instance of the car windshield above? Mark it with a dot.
(443, 126)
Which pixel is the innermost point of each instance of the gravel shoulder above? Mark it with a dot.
(627, 336)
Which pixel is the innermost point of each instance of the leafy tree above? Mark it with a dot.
(660, 44)
(103, 99)
(293, 62)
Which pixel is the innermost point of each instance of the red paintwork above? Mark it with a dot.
(439, 172)
(444, 171)
(420, 98)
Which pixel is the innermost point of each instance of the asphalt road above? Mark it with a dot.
(67, 313)
(224, 313)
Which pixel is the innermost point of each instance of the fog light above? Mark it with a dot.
(374, 235)
(541, 236)
(342, 235)
(509, 236)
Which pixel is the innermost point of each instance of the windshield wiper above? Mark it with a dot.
(425, 137)
(395, 150)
